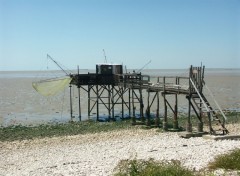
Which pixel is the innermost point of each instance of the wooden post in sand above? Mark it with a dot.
(122, 98)
(165, 125)
(112, 99)
(175, 119)
(157, 120)
(79, 97)
(189, 125)
(71, 110)
(79, 104)
(89, 101)
(109, 102)
(97, 102)
(134, 108)
(148, 111)
(129, 103)
(141, 105)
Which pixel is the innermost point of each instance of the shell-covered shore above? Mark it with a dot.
(99, 154)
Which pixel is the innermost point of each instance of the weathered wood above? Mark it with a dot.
(71, 109)
(117, 85)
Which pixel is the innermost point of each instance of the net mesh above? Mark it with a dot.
(52, 86)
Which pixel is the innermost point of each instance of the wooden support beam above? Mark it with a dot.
(109, 102)
(189, 124)
(71, 109)
(165, 125)
(112, 100)
(79, 105)
(97, 102)
(154, 97)
(157, 120)
(129, 102)
(122, 99)
(79, 97)
(141, 106)
(89, 101)
(134, 108)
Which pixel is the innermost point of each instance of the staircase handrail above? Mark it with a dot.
(220, 109)
(204, 103)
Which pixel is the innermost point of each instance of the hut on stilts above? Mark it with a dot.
(110, 87)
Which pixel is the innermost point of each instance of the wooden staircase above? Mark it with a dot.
(202, 107)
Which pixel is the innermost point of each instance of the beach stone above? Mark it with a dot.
(99, 154)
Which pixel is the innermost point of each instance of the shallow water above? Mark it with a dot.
(21, 104)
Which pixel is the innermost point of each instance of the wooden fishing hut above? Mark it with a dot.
(109, 87)
(102, 87)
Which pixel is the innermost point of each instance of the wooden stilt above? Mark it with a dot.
(175, 118)
(157, 120)
(79, 105)
(189, 125)
(71, 109)
(122, 99)
(165, 125)
(89, 102)
(148, 111)
(97, 102)
(113, 115)
(141, 106)
(109, 102)
(129, 103)
(79, 98)
(134, 108)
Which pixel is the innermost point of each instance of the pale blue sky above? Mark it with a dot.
(171, 33)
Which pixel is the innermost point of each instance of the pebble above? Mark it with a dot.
(99, 154)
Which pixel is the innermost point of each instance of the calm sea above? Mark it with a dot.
(20, 104)
(151, 72)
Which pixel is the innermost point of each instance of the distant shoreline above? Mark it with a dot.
(151, 72)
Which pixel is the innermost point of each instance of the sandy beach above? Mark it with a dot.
(99, 154)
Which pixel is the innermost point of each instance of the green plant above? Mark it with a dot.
(151, 168)
(227, 161)
(49, 130)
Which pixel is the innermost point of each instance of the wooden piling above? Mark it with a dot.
(175, 119)
(141, 105)
(165, 124)
(113, 104)
(71, 109)
(189, 124)
(129, 103)
(157, 120)
(97, 87)
(89, 101)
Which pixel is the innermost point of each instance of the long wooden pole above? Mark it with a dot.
(165, 125)
(141, 105)
(109, 102)
(129, 102)
(122, 102)
(71, 110)
(189, 125)
(79, 98)
(112, 100)
(89, 102)
(97, 103)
